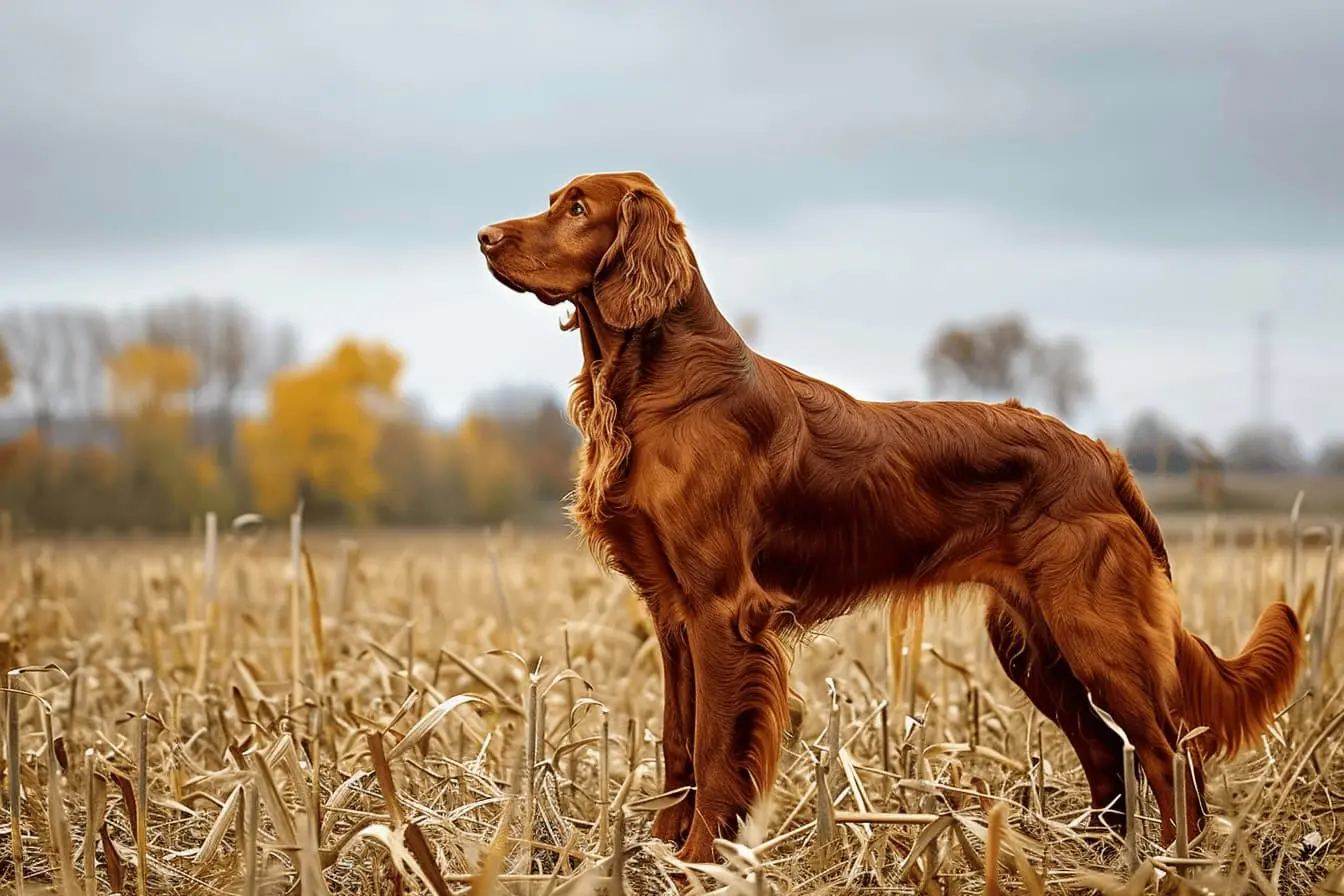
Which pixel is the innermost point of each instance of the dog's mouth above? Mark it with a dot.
(504, 278)
(547, 297)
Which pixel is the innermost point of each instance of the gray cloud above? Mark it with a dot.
(151, 122)
(1146, 176)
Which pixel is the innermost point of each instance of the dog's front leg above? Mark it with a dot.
(673, 823)
(741, 713)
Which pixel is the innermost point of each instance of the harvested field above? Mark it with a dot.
(223, 727)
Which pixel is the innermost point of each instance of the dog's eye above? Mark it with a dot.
(577, 210)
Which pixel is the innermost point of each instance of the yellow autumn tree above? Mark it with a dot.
(150, 382)
(150, 385)
(321, 430)
(6, 372)
(494, 479)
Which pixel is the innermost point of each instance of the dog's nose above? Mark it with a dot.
(489, 236)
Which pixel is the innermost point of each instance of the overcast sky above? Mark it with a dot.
(1147, 176)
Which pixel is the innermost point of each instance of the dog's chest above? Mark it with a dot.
(615, 518)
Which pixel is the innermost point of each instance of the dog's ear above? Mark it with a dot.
(648, 269)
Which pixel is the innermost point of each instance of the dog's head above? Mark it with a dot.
(614, 236)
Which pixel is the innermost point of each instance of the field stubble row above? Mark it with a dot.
(222, 726)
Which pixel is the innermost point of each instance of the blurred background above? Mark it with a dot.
(238, 262)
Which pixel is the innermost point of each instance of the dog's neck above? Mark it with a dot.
(658, 368)
(692, 332)
(601, 341)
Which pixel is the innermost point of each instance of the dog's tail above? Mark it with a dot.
(1237, 698)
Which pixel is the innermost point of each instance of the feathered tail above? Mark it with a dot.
(1238, 697)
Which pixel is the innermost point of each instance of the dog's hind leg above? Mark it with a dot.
(1095, 591)
(1032, 660)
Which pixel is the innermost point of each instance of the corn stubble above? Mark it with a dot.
(275, 711)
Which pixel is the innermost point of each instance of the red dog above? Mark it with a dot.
(746, 502)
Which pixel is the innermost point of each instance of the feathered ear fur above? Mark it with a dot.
(648, 269)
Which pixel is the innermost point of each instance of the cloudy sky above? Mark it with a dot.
(1146, 176)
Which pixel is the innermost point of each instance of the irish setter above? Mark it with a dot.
(747, 502)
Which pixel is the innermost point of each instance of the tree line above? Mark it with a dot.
(1001, 356)
(148, 419)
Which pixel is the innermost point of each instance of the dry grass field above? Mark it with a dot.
(191, 721)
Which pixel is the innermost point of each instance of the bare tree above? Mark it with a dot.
(89, 342)
(1000, 358)
(32, 342)
(1060, 372)
(951, 363)
(237, 354)
(989, 359)
(1005, 356)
